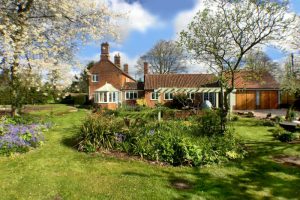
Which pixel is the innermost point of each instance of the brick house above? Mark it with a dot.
(111, 86)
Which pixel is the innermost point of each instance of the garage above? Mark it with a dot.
(245, 100)
(268, 99)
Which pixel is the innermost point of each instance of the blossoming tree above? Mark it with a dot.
(43, 35)
(225, 31)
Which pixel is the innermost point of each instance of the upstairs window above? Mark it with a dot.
(168, 96)
(131, 95)
(154, 96)
(95, 78)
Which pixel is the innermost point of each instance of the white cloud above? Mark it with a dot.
(183, 18)
(136, 17)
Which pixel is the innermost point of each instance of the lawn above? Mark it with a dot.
(58, 171)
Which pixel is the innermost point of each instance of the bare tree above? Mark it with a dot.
(164, 58)
(225, 31)
(258, 63)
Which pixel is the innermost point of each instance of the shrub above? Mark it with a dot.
(235, 118)
(141, 102)
(286, 137)
(267, 123)
(278, 119)
(175, 142)
(291, 114)
(20, 138)
(98, 131)
(209, 123)
(283, 135)
(80, 99)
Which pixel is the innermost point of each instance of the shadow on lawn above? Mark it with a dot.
(71, 141)
(261, 175)
(256, 177)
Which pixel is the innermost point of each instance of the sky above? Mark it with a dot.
(148, 22)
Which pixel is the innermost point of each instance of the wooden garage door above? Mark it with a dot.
(245, 100)
(268, 99)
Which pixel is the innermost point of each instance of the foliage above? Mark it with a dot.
(286, 137)
(283, 135)
(141, 102)
(17, 137)
(173, 142)
(180, 100)
(291, 76)
(267, 123)
(80, 83)
(235, 118)
(99, 132)
(291, 114)
(45, 35)
(232, 29)
(209, 123)
(164, 58)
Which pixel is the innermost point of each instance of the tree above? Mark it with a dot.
(225, 31)
(164, 58)
(43, 35)
(290, 82)
(81, 81)
(258, 63)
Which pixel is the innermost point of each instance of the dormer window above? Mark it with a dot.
(95, 78)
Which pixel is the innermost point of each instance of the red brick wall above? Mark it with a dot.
(151, 103)
(107, 72)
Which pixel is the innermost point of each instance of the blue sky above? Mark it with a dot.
(150, 21)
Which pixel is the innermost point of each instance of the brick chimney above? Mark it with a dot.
(126, 68)
(104, 51)
(146, 68)
(118, 60)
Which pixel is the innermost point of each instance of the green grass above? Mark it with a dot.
(57, 171)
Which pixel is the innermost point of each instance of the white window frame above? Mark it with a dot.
(95, 78)
(210, 96)
(190, 95)
(134, 93)
(156, 96)
(106, 97)
(167, 96)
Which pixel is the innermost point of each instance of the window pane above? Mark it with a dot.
(135, 95)
(166, 95)
(171, 95)
(105, 97)
(127, 95)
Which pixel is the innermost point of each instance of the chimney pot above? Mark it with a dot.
(118, 60)
(104, 51)
(126, 68)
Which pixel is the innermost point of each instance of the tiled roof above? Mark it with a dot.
(124, 73)
(155, 81)
(251, 80)
(133, 86)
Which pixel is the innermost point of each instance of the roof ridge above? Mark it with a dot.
(121, 70)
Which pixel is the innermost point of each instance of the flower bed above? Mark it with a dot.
(195, 142)
(20, 137)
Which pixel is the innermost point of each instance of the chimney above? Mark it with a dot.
(104, 51)
(146, 68)
(126, 68)
(118, 60)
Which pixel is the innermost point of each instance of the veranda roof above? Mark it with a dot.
(107, 88)
(183, 90)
